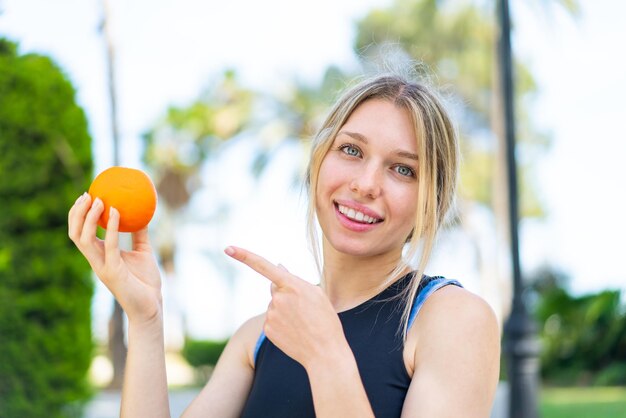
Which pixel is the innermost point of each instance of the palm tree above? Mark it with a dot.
(180, 144)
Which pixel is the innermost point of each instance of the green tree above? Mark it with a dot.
(178, 145)
(45, 284)
(299, 110)
(583, 337)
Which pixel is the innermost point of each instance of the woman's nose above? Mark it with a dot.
(367, 182)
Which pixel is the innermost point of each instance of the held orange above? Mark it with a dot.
(128, 190)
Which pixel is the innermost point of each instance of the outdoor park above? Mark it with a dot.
(221, 121)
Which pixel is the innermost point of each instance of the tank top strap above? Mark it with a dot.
(432, 285)
(257, 347)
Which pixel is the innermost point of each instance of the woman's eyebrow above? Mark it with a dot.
(363, 139)
(406, 154)
(354, 135)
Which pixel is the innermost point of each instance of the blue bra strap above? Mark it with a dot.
(258, 345)
(431, 287)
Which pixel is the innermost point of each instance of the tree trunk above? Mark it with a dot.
(117, 346)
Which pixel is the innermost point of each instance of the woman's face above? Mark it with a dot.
(366, 195)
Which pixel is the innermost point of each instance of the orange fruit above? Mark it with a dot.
(128, 190)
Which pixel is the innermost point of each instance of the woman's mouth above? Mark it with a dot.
(355, 215)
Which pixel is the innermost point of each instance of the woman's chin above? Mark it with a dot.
(358, 249)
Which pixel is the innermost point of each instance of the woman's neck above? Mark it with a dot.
(349, 280)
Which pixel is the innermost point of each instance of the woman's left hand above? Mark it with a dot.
(300, 319)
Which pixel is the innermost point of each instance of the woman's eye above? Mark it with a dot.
(405, 171)
(350, 150)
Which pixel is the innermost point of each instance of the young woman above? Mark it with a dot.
(376, 337)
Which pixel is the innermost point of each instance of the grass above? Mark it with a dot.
(589, 402)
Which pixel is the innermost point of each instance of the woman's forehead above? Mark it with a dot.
(381, 122)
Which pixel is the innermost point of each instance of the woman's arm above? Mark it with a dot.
(134, 280)
(226, 392)
(336, 384)
(457, 357)
(144, 393)
(302, 322)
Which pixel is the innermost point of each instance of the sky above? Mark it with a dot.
(167, 51)
(581, 71)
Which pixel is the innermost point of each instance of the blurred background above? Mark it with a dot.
(217, 101)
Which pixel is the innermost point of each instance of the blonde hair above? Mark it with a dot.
(437, 170)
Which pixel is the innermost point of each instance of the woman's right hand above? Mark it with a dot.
(132, 276)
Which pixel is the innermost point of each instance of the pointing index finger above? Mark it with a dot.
(278, 276)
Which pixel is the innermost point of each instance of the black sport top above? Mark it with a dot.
(281, 389)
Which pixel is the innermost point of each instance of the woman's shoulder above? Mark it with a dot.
(247, 335)
(455, 313)
(451, 318)
(456, 302)
(456, 347)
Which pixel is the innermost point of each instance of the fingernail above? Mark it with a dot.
(80, 199)
(112, 211)
(229, 250)
(97, 202)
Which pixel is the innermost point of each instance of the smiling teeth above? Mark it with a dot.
(357, 216)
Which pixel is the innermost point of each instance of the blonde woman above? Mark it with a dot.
(376, 337)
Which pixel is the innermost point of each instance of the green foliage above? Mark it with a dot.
(583, 337)
(45, 284)
(454, 42)
(185, 137)
(303, 106)
(203, 352)
(612, 375)
(600, 402)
